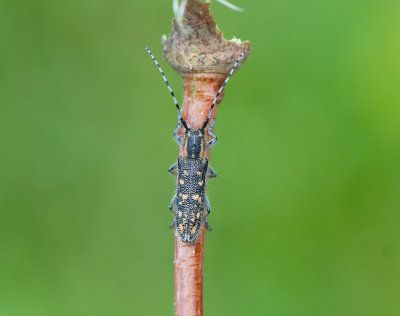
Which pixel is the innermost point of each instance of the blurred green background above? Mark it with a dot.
(305, 211)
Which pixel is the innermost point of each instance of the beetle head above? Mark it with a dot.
(193, 143)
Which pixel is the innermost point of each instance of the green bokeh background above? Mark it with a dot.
(305, 211)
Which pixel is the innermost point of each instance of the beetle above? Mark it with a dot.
(192, 169)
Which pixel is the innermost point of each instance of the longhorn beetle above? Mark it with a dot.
(192, 169)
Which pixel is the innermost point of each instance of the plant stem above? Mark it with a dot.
(197, 51)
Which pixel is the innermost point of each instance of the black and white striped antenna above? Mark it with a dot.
(222, 87)
(169, 88)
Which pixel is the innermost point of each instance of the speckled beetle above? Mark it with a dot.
(192, 170)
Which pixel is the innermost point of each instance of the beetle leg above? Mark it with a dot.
(207, 225)
(171, 208)
(211, 173)
(172, 204)
(172, 169)
(177, 138)
(207, 205)
(211, 142)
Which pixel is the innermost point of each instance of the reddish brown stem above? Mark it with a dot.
(199, 91)
(188, 264)
(203, 58)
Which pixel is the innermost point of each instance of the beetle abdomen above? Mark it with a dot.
(189, 212)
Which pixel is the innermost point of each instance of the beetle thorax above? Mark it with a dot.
(193, 144)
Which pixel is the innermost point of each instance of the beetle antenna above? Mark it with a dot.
(222, 87)
(169, 88)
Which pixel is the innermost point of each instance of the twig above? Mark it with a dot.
(197, 51)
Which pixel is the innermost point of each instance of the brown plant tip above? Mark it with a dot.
(195, 44)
